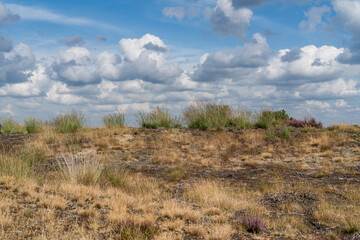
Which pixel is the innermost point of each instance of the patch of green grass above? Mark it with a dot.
(241, 119)
(69, 122)
(208, 115)
(159, 117)
(9, 126)
(21, 163)
(284, 132)
(112, 120)
(114, 176)
(176, 173)
(350, 229)
(264, 119)
(33, 125)
(271, 133)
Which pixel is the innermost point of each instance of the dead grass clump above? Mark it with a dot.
(220, 232)
(335, 215)
(209, 194)
(323, 142)
(80, 168)
(175, 210)
(196, 231)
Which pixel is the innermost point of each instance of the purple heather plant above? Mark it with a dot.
(296, 123)
(313, 123)
(252, 224)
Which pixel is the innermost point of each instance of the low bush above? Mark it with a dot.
(8, 125)
(33, 125)
(296, 123)
(69, 122)
(280, 115)
(159, 117)
(268, 118)
(310, 122)
(116, 119)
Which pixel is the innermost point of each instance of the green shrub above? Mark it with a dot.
(159, 117)
(33, 125)
(267, 118)
(8, 125)
(69, 122)
(116, 119)
(280, 115)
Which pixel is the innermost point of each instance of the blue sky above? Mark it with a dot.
(103, 56)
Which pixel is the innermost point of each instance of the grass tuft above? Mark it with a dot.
(207, 115)
(112, 120)
(81, 169)
(159, 117)
(69, 122)
(9, 126)
(33, 125)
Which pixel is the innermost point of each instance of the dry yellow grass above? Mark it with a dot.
(180, 184)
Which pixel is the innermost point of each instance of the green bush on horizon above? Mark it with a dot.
(268, 118)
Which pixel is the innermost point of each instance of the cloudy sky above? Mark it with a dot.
(100, 56)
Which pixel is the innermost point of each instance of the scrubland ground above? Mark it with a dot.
(135, 183)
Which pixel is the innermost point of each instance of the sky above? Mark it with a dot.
(133, 55)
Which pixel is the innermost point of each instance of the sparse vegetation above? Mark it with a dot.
(136, 183)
